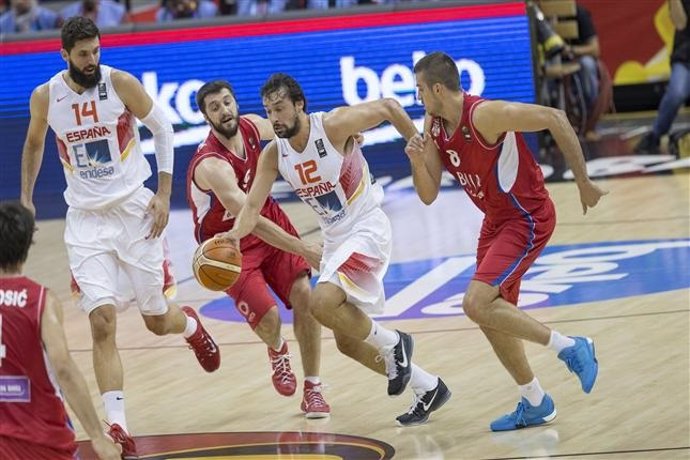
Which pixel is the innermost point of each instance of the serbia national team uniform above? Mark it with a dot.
(33, 421)
(262, 264)
(357, 233)
(506, 184)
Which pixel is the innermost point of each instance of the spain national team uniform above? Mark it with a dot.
(357, 233)
(505, 182)
(33, 420)
(262, 263)
(106, 223)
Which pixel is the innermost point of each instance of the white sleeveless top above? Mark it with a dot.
(339, 188)
(98, 143)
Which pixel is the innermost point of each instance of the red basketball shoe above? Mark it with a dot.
(283, 378)
(202, 343)
(120, 436)
(313, 404)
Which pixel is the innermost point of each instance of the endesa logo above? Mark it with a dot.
(563, 275)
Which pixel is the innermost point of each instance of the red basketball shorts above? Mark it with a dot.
(506, 251)
(264, 266)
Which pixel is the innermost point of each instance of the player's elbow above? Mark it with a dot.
(427, 200)
(391, 106)
(427, 196)
(557, 120)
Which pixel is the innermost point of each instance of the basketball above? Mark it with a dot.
(217, 264)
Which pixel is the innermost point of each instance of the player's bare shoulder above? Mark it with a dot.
(124, 82)
(332, 118)
(131, 92)
(40, 98)
(336, 125)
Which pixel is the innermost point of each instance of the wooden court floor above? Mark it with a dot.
(639, 409)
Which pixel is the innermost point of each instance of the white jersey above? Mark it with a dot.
(98, 143)
(338, 187)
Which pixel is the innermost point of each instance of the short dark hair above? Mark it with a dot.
(281, 80)
(76, 29)
(211, 87)
(16, 231)
(438, 67)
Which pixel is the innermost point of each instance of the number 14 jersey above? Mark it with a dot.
(98, 143)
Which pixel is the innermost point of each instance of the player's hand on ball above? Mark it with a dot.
(229, 236)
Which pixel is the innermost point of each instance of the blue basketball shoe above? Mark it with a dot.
(581, 360)
(526, 415)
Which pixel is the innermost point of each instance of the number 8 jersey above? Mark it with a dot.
(98, 143)
(338, 187)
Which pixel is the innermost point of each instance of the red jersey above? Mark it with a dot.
(503, 180)
(210, 217)
(31, 406)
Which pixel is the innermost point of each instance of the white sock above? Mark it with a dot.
(280, 345)
(421, 381)
(532, 392)
(558, 342)
(114, 403)
(380, 337)
(190, 328)
(314, 380)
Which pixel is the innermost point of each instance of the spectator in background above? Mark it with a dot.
(325, 4)
(172, 10)
(105, 13)
(27, 16)
(678, 88)
(585, 49)
(260, 7)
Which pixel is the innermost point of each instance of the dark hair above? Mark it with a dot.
(281, 80)
(76, 29)
(16, 232)
(211, 87)
(440, 68)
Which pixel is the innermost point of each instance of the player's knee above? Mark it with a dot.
(322, 304)
(473, 306)
(103, 322)
(269, 323)
(300, 294)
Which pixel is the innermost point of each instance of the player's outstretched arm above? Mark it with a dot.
(426, 164)
(217, 175)
(135, 98)
(70, 378)
(266, 174)
(493, 118)
(32, 153)
(344, 122)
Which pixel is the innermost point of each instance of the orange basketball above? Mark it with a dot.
(217, 264)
